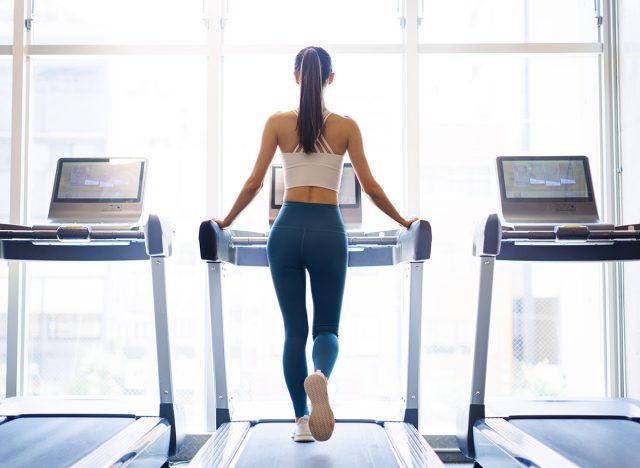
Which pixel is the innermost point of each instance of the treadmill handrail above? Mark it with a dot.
(70, 243)
(492, 239)
(412, 244)
(80, 243)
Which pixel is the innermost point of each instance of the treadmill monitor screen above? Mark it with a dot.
(563, 178)
(349, 196)
(99, 181)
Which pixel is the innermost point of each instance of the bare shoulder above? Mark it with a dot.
(345, 122)
(282, 118)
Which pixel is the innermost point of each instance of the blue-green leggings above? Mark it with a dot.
(311, 237)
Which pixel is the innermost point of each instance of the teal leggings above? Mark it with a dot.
(311, 237)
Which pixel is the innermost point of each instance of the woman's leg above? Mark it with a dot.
(288, 274)
(325, 255)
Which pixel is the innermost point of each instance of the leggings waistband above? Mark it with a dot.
(310, 215)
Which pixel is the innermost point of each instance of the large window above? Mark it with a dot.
(515, 21)
(5, 136)
(5, 169)
(4, 298)
(312, 22)
(494, 77)
(6, 22)
(91, 325)
(629, 15)
(474, 109)
(119, 22)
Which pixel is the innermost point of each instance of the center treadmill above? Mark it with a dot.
(362, 443)
(588, 433)
(91, 432)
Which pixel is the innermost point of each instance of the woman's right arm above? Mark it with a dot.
(368, 183)
(254, 183)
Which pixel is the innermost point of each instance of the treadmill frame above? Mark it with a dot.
(412, 245)
(153, 243)
(491, 438)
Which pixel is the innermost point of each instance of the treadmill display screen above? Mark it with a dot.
(349, 196)
(99, 181)
(549, 178)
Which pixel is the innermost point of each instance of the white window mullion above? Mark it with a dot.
(611, 180)
(214, 167)
(16, 318)
(411, 112)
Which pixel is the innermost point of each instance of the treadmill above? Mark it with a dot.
(362, 443)
(550, 204)
(91, 432)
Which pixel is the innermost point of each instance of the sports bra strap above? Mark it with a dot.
(321, 145)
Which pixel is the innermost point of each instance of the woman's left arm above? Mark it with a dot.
(254, 183)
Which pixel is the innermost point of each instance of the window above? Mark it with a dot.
(5, 135)
(4, 299)
(473, 109)
(628, 16)
(515, 21)
(356, 92)
(118, 22)
(151, 107)
(6, 23)
(317, 22)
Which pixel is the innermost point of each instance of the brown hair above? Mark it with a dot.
(314, 66)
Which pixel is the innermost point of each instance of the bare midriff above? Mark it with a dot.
(310, 194)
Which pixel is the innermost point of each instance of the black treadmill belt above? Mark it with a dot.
(590, 443)
(54, 441)
(352, 445)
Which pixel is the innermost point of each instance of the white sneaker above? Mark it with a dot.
(321, 420)
(302, 432)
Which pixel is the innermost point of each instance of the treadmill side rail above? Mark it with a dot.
(410, 447)
(146, 440)
(222, 447)
(499, 443)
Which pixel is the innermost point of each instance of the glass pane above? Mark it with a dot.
(4, 298)
(367, 317)
(629, 63)
(119, 22)
(472, 110)
(5, 136)
(486, 21)
(6, 22)
(377, 109)
(312, 22)
(92, 324)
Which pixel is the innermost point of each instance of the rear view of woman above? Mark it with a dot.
(309, 234)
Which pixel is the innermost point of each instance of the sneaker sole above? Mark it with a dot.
(321, 420)
(305, 439)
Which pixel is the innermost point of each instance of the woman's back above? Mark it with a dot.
(336, 134)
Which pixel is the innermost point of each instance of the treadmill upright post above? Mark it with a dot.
(163, 349)
(411, 413)
(469, 415)
(158, 246)
(217, 333)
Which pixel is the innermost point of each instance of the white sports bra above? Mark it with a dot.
(322, 168)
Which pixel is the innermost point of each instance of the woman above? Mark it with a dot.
(309, 232)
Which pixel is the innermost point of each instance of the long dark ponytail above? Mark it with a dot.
(314, 67)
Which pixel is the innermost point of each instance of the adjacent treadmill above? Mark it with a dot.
(538, 192)
(361, 443)
(88, 432)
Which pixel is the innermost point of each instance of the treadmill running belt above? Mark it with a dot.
(269, 445)
(54, 441)
(590, 443)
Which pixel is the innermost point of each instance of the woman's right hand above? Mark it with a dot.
(409, 221)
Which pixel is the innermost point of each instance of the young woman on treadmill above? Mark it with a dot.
(309, 233)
